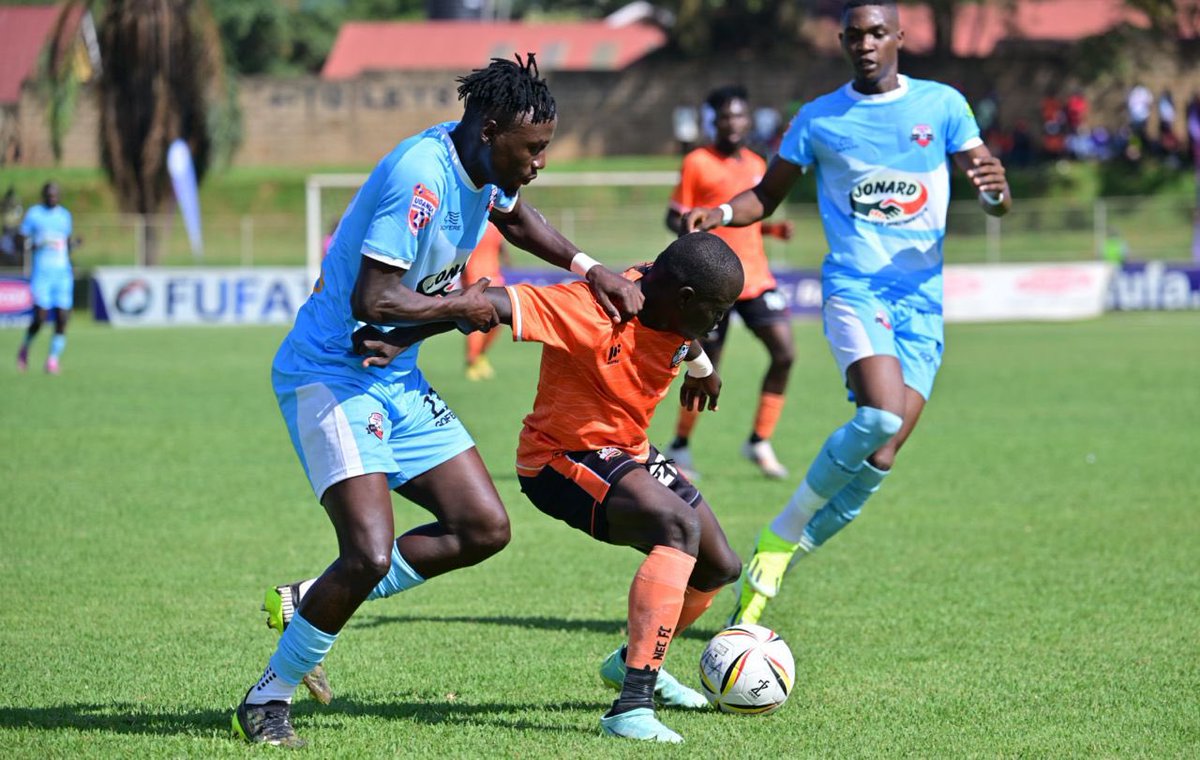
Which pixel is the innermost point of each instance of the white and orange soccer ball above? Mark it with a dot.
(747, 670)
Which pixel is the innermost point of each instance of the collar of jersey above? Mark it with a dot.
(444, 134)
(883, 97)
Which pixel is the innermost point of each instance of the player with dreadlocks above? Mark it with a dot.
(362, 432)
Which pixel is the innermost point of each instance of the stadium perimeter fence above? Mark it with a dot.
(620, 218)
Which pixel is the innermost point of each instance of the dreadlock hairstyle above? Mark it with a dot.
(506, 91)
(717, 99)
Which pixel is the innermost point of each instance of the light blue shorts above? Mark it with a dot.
(54, 290)
(859, 324)
(342, 426)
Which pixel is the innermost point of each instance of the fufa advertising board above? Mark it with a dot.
(192, 296)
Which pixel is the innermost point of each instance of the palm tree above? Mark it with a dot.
(162, 70)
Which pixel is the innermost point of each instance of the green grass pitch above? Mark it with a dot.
(1025, 585)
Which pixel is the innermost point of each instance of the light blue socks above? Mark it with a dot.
(843, 507)
(400, 577)
(301, 648)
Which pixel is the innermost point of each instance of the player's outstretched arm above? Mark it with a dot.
(526, 228)
(701, 383)
(988, 176)
(381, 298)
(748, 206)
(380, 348)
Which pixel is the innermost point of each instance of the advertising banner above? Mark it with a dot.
(801, 289)
(1003, 292)
(1155, 286)
(16, 302)
(132, 296)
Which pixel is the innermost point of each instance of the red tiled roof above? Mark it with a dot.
(24, 30)
(465, 45)
(979, 27)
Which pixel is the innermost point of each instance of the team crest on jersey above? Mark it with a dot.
(882, 319)
(922, 135)
(422, 208)
(889, 198)
(608, 453)
(679, 354)
(375, 425)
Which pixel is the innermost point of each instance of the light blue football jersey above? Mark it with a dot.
(883, 183)
(49, 231)
(419, 211)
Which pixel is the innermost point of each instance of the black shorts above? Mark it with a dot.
(766, 308)
(574, 486)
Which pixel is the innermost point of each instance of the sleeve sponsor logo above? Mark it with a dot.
(422, 208)
(889, 199)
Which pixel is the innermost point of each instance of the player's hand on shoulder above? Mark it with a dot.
(472, 308)
(620, 298)
(698, 393)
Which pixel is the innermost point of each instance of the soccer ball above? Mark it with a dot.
(747, 670)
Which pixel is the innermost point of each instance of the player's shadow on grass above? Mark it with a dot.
(136, 719)
(508, 715)
(536, 623)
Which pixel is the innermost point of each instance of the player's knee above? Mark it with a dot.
(782, 358)
(679, 528)
(878, 424)
(485, 535)
(725, 569)
(368, 566)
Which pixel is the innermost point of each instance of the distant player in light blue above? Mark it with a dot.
(47, 227)
(879, 146)
(361, 432)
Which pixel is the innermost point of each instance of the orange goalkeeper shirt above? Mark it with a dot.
(709, 178)
(599, 382)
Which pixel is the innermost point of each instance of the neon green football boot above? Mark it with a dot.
(762, 577)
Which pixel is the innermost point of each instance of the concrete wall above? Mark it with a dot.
(310, 122)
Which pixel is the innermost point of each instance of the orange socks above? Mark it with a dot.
(770, 407)
(695, 602)
(655, 605)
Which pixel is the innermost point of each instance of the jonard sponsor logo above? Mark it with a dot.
(889, 199)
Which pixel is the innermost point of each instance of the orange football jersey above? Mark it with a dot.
(599, 382)
(709, 179)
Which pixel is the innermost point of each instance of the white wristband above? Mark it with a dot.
(991, 200)
(582, 263)
(700, 367)
(726, 213)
